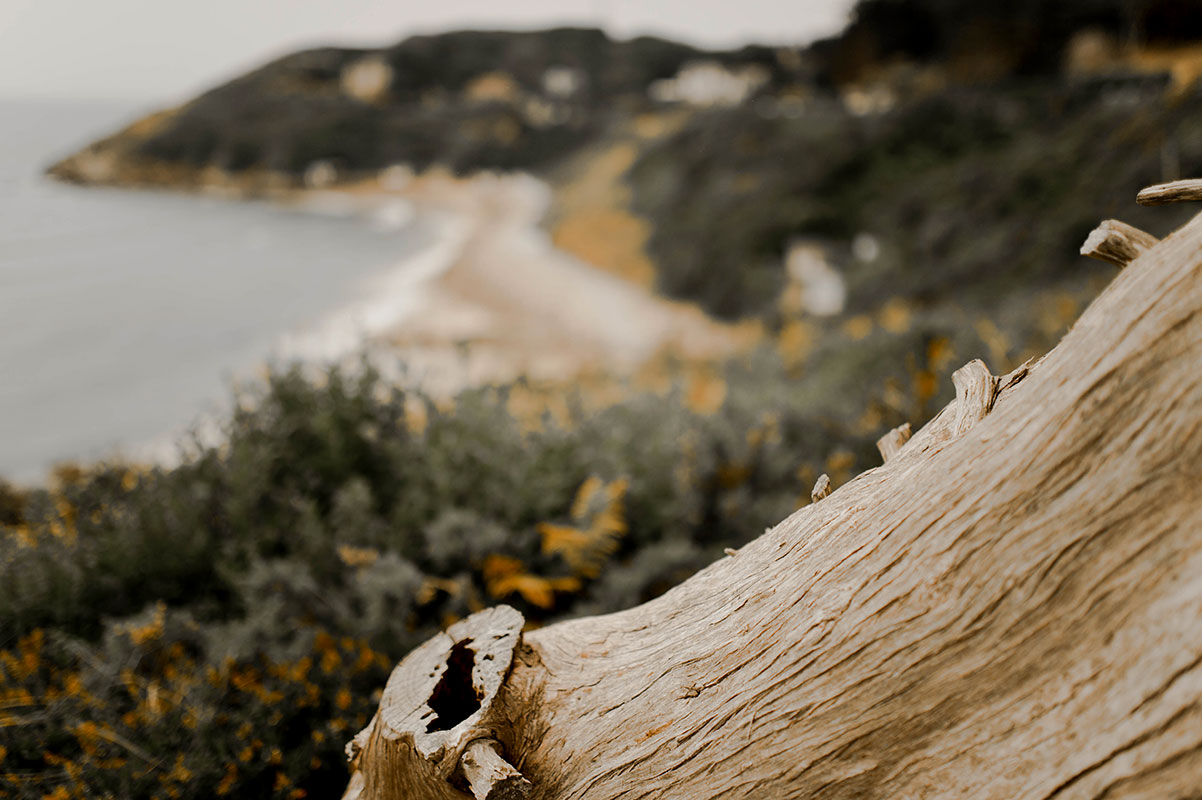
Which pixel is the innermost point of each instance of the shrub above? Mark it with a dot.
(223, 627)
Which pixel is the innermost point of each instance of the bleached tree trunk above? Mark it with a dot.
(1010, 607)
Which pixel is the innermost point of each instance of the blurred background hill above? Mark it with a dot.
(849, 220)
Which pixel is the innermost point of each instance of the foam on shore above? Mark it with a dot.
(385, 300)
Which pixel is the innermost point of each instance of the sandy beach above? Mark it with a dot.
(495, 300)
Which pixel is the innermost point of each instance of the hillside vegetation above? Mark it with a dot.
(466, 100)
(223, 627)
(975, 194)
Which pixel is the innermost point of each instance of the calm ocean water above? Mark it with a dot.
(126, 316)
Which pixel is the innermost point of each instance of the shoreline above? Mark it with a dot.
(493, 299)
(527, 278)
(488, 298)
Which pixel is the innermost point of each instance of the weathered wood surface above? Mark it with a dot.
(1011, 607)
(1117, 243)
(1161, 194)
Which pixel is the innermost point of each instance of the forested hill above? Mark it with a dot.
(466, 100)
(478, 99)
(998, 38)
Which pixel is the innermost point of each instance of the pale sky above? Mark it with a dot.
(167, 50)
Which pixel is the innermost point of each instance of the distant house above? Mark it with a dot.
(708, 83)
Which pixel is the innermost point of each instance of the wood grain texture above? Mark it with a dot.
(1010, 607)
(1175, 192)
(1117, 243)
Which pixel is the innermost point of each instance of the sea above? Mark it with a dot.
(128, 317)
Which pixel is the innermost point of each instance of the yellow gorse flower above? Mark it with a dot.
(141, 634)
(505, 576)
(227, 781)
(598, 523)
(598, 514)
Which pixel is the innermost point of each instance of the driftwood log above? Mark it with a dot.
(1010, 607)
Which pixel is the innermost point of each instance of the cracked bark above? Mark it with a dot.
(1010, 607)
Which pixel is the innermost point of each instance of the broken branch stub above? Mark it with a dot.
(822, 487)
(490, 776)
(1163, 194)
(438, 724)
(892, 442)
(976, 389)
(1117, 243)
